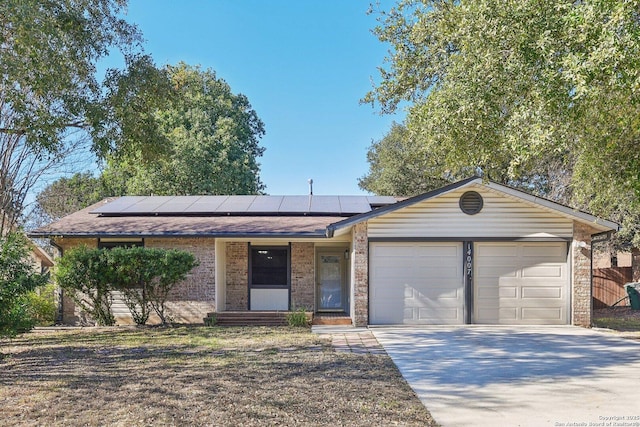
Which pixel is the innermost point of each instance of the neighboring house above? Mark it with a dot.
(470, 252)
(41, 260)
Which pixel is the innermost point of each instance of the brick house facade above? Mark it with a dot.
(339, 261)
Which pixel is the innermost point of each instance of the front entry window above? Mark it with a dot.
(269, 267)
(269, 278)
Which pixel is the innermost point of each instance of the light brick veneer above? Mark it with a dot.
(302, 276)
(191, 299)
(581, 271)
(360, 245)
(237, 276)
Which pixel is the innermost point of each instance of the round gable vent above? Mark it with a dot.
(471, 203)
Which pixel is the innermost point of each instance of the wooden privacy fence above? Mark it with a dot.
(608, 286)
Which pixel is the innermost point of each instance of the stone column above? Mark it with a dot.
(581, 271)
(360, 246)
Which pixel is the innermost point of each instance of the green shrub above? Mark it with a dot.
(42, 305)
(85, 276)
(211, 320)
(298, 318)
(144, 276)
(17, 278)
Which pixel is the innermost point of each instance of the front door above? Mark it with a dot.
(331, 280)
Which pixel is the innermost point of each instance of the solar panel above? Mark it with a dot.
(354, 204)
(147, 205)
(236, 204)
(177, 204)
(266, 204)
(118, 204)
(295, 204)
(203, 205)
(325, 204)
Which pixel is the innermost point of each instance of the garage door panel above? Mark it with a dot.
(543, 271)
(487, 292)
(502, 250)
(547, 313)
(528, 288)
(507, 314)
(417, 283)
(438, 314)
(556, 252)
(484, 270)
(542, 292)
(507, 292)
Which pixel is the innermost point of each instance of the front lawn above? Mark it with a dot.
(617, 318)
(198, 376)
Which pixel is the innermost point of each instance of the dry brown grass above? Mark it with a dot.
(622, 320)
(198, 376)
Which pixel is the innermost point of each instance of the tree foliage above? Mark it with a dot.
(68, 195)
(144, 277)
(84, 275)
(207, 137)
(516, 87)
(48, 52)
(17, 278)
(399, 166)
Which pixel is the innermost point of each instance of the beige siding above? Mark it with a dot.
(501, 216)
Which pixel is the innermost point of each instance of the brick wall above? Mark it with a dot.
(237, 276)
(360, 245)
(191, 299)
(302, 276)
(581, 271)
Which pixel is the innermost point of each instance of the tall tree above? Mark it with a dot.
(511, 86)
(399, 166)
(48, 52)
(67, 195)
(208, 138)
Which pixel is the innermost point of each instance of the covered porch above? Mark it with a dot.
(261, 280)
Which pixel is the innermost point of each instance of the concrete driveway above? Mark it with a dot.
(519, 376)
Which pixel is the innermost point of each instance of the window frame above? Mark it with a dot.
(110, 243)
(287, 250)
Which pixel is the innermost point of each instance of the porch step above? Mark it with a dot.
(331, 319)
(248, 318)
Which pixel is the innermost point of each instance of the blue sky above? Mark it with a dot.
(304, 65)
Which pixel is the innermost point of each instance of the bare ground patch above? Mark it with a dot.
(198, 376)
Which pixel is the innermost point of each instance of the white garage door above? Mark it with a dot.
(416, 283)
(521, 283)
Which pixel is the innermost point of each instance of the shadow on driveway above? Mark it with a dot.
(497, 375)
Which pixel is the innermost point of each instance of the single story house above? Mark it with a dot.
(470, 252)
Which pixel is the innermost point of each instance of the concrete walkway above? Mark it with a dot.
(347, 339)
(519, 376)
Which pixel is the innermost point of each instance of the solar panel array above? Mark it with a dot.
(253, 205)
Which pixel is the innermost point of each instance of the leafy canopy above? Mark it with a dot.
(207, 137)
(50, 100)
(511, 87)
